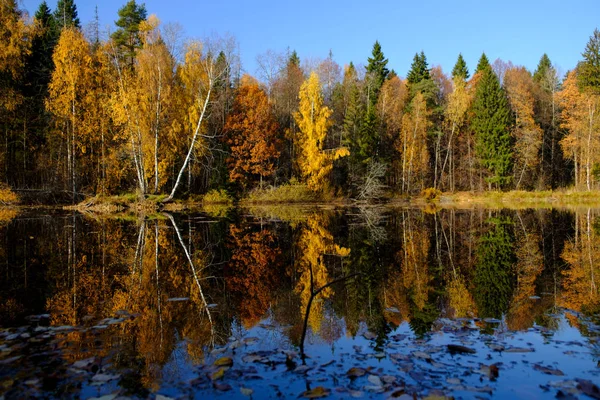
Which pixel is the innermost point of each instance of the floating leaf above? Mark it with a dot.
(548, 370)
(589, 388)
(223, 387)
(218, 374)
(375, 380)
(316, 393)
(246, 391)
(223, 362)
(356, 372)
(518, 350)
(455, 348)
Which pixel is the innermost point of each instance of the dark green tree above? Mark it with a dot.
(294, 59)
(491, 122)
(542, 69)
(460, 68)
(377, 68)
(419, 70)
(483, 63)
(66, 14)
(494, 271)
(588, 70)
(127, 36)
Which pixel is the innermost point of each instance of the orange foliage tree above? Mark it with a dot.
(252, 133)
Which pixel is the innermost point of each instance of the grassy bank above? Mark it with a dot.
(523, 199)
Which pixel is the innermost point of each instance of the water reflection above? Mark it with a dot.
(146, 291)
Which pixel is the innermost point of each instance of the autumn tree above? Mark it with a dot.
(580, 117)
(252, 133)
(15, 46)
(527, 133)
(390, 109)
(70, 81)
(313, 121)
(412, 145)
(491, 123)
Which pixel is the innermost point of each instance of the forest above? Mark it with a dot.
(144, 110)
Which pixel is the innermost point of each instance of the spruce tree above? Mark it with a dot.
(127, 36)
(66, 14)
(460, 68)
(588, 70)
(483, 63)
(494, 276)
(377, 67)
(542, 69)
(294, 59)
(419, 70)
(491, 122)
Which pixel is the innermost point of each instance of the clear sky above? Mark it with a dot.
(513, 30)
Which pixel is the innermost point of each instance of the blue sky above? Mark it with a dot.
(519, 31)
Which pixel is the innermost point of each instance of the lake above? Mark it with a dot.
(287, 302)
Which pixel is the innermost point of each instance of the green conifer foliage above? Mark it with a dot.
(542, 69)
(483, 63)
(377, 67)
(66, 14)
(419, 70)
(491, 123)
(460, 68)
(589, 69)
(126, 36)
(494, 271)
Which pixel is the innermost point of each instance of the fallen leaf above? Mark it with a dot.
(223, 362)
(218, 374)
(589, 388)
(375, 380)
(246, 391)
(316, 393)
(548, 370)
(356, 372)
(456, 348)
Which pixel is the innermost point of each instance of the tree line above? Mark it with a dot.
(140, 111)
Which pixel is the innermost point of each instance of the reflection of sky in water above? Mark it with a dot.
(565, 349)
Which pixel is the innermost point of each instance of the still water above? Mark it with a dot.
(300, 302)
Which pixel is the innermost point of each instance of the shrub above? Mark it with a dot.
(288, 193)
(7, 196)
(431, 194)
(217, 197)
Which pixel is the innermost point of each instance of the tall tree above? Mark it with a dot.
(483, 63)
(70, 80)
(127, 36)
(460, 68)
(527, 133)
(588, 70)
(313, 119)
(491, 122)
(66, 14)
(377, 68)
(419, 70)
(252, 132)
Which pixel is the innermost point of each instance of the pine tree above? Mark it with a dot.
(127, 36)
(419, 70)
(491, 123)
(377, 67)
(460, 68)
(588, 70)
(294, 59)
(483, 63)
(66, 14)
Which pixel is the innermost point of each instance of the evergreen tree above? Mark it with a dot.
(588, 70)
(39, 64)
(377, 67)
(66, 14)
(494, 276)
(460, 68)
(483, 63)
(419, 70)
(491, 122)
(294, 59)
(542, 69)
(127, 36)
